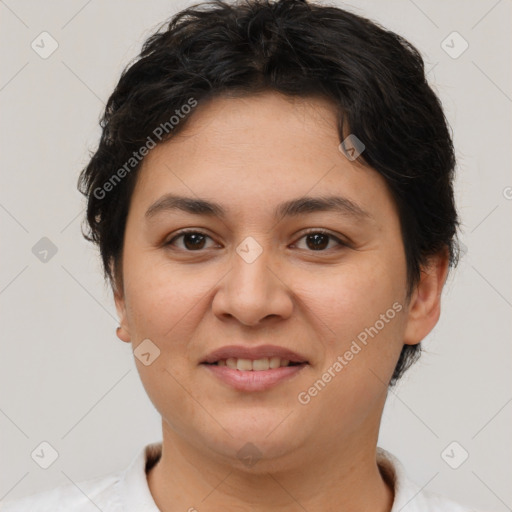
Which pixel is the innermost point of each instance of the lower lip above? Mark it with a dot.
(253, 380)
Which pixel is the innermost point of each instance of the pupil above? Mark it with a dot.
(317, 244)
(197, 240)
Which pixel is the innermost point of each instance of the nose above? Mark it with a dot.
(253, 290)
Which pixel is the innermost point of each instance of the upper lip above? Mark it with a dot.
(259, 352)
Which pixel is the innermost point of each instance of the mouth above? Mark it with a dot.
(254, 368)
(256, 365)
(257, 358)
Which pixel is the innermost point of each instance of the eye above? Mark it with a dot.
(318, 240)
(192, 240)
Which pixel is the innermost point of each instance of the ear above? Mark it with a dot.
(425, 304)
(123, 331)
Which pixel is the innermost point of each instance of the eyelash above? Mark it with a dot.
(312, 231)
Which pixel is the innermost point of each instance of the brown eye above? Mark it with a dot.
(192, 240)
(319, 240)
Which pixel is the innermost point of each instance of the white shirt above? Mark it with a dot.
(128, 491)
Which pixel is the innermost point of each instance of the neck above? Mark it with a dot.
(187, 478)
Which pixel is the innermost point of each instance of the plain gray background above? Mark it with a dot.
(66, 379)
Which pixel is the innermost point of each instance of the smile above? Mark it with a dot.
(249, 378)
(257, 365)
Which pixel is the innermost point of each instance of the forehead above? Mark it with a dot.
(256, 152)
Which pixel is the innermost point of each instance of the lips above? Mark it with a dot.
(240, 352)
(252, 369)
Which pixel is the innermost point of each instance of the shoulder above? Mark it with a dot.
(430, 502)
(116, 492)
(95, 494)
(410, 496)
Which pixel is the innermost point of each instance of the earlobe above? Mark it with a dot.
(116, 281)
(122, 334)
(122, 331)
(425, 306)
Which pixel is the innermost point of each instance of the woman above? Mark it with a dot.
(272, 197)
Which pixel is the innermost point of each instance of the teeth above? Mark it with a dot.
(244, 364)
(260, 364)
(275, 362)
(231, 363)
(265, 363)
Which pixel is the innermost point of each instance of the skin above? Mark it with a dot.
(250, 154)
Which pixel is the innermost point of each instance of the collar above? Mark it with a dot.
(134, 493)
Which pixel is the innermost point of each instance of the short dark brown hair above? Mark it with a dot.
(374, 78)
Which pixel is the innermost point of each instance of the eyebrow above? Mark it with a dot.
(293, 208)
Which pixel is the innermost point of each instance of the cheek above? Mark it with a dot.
(359, 309)
(166, 301)
(163, 307)
(353, 297)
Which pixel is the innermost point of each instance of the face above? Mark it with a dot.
(325, 282)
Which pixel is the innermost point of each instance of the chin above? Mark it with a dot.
(267, 438)
(260, 423)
